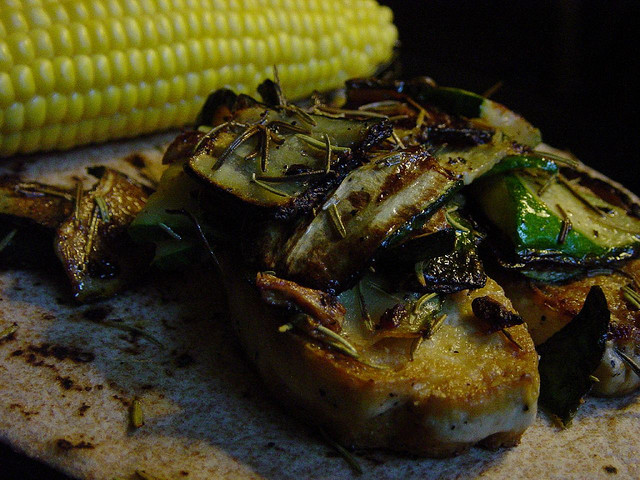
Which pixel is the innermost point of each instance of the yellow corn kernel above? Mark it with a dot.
(74, 72)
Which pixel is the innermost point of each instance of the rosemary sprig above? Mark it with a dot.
(327, 143)
(91, 235)
(320, 145)
(382, 104)
(201, 234)
(78, 200)
(130, 329)
(338, 341)
(170, 231)
(336, 220)
(510, 338)
(33, 189)
(422, 300)
(415, 344)
(103, 208)
(213, 130)
(385, 158)
(146, 476)
(436, 325)
(6, 240)
(268, 187)
(348, 113)
(10, 330)
(397, 140)
(264, 148)
(579, 195)
(631, 296)
(382, 290)
(279, 124)
(628, 360)
(368, 321)
(249, 132)
(291, 178)
(557, 158)
(552, 178)
(418, 268)
(492, 89)
(453, 222)
(136, 416)
(566, 225)
(302, 115)
(350, 459)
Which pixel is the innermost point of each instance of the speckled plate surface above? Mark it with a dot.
(68, 376)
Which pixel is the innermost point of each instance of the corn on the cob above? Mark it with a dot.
(74, 72)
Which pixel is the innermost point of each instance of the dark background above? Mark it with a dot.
(567, 66)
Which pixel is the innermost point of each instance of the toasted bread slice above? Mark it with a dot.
(462, 387)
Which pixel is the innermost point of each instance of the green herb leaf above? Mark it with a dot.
(569, 358)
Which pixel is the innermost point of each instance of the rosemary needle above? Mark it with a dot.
(6, 240)
(137, 418)
(350, 459)
(11, 329)
(336, 220)
(628, 360)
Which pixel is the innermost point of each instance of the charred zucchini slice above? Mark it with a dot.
(452, 100)
(375, 204)
(268, 155)
(554, 219)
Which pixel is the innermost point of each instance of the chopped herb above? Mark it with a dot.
(285, 328)
(170, 231)
(302, 115)
(327, 152)
(128, 328)
(579, 196)
(631, 296)
(336, 220)
(93, 231)
(146, 476)
(291, 178)
(397, 140)
(419, 271)
(453, 222)
(249, 132)
(415, 344)
(383, 104)
(278, 124)
(103, 208)
(320, 145)
(437, 324)
(552, 178)
(350, 459)
(201, 234)
(34, 189)
(136, 417)
(339, 339)
(348, 113)
(7, 239)
(382, 290)
(78, 199)
(492, 89)
(268, 187)
(368, 321)
(510, 338)
(557, 158)
(10, 330)
(566, 225)
(208, 134)
(628, 360)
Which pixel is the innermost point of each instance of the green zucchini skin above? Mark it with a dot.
(533, 223)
